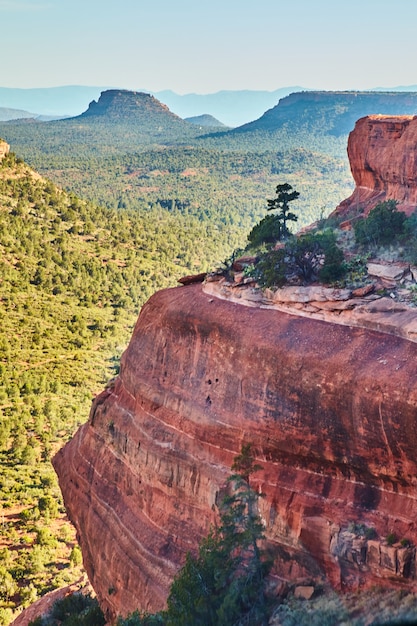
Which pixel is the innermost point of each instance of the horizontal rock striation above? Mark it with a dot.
(383, 160)
(361, 307)
(331, 412)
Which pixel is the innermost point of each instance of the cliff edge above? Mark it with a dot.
(383, 160)
(330, 410)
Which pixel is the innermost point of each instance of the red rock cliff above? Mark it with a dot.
(383, 160)
(331, 412)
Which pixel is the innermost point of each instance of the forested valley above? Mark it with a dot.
(109, 217)
(73, 277)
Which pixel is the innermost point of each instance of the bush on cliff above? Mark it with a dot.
(267, 231)
(382, 226)
(311, 257)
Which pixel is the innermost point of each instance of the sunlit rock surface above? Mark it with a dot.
(383, 160)
(330, 409)
(4, 149)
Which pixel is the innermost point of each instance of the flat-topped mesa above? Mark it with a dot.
(4, 149)
(382, 152)
(331, 413)
(128, 105)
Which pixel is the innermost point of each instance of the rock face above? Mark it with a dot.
(331, 411)
(383, 159)
(4, 149)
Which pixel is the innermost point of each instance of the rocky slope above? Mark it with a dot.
(383, 162)
(330, 410)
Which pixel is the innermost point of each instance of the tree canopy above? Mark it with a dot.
(284, 195)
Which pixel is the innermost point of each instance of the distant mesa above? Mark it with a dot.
(205, 120)
(332, 112)
(124, 105)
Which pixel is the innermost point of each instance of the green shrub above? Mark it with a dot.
(268, 230)
(391, 539)
(334, 267)
(76, 609)
(383, 225)
(311, 257)
(76, 557)
(270, 269)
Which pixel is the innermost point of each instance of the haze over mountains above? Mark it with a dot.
(232, 108)
(150, 156)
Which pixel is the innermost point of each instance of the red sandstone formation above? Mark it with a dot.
(383, 159)
(331, 412)
(45, 603)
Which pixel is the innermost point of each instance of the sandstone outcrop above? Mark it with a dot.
(395, 314)
(4, 149)
(383, 160)
(330, 409)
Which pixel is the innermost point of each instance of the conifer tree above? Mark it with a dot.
(224, 584)
(285, 195)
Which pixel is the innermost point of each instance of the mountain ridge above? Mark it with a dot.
(336, 111)
(231, 107)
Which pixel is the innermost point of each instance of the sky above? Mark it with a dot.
(192, 46)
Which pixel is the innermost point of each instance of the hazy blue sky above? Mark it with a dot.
(203, 47)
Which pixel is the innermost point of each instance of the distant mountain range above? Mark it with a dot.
(231, 108)
(14, 114)
(122, 120)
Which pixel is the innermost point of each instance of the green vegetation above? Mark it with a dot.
(285, 195)
(224, 583)
(318, 255)
(73, 610)
(387, 228)
(74, 276)
(302, 260)
(382, 226)
(273, 228)
(314, 256)
(221, 178)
